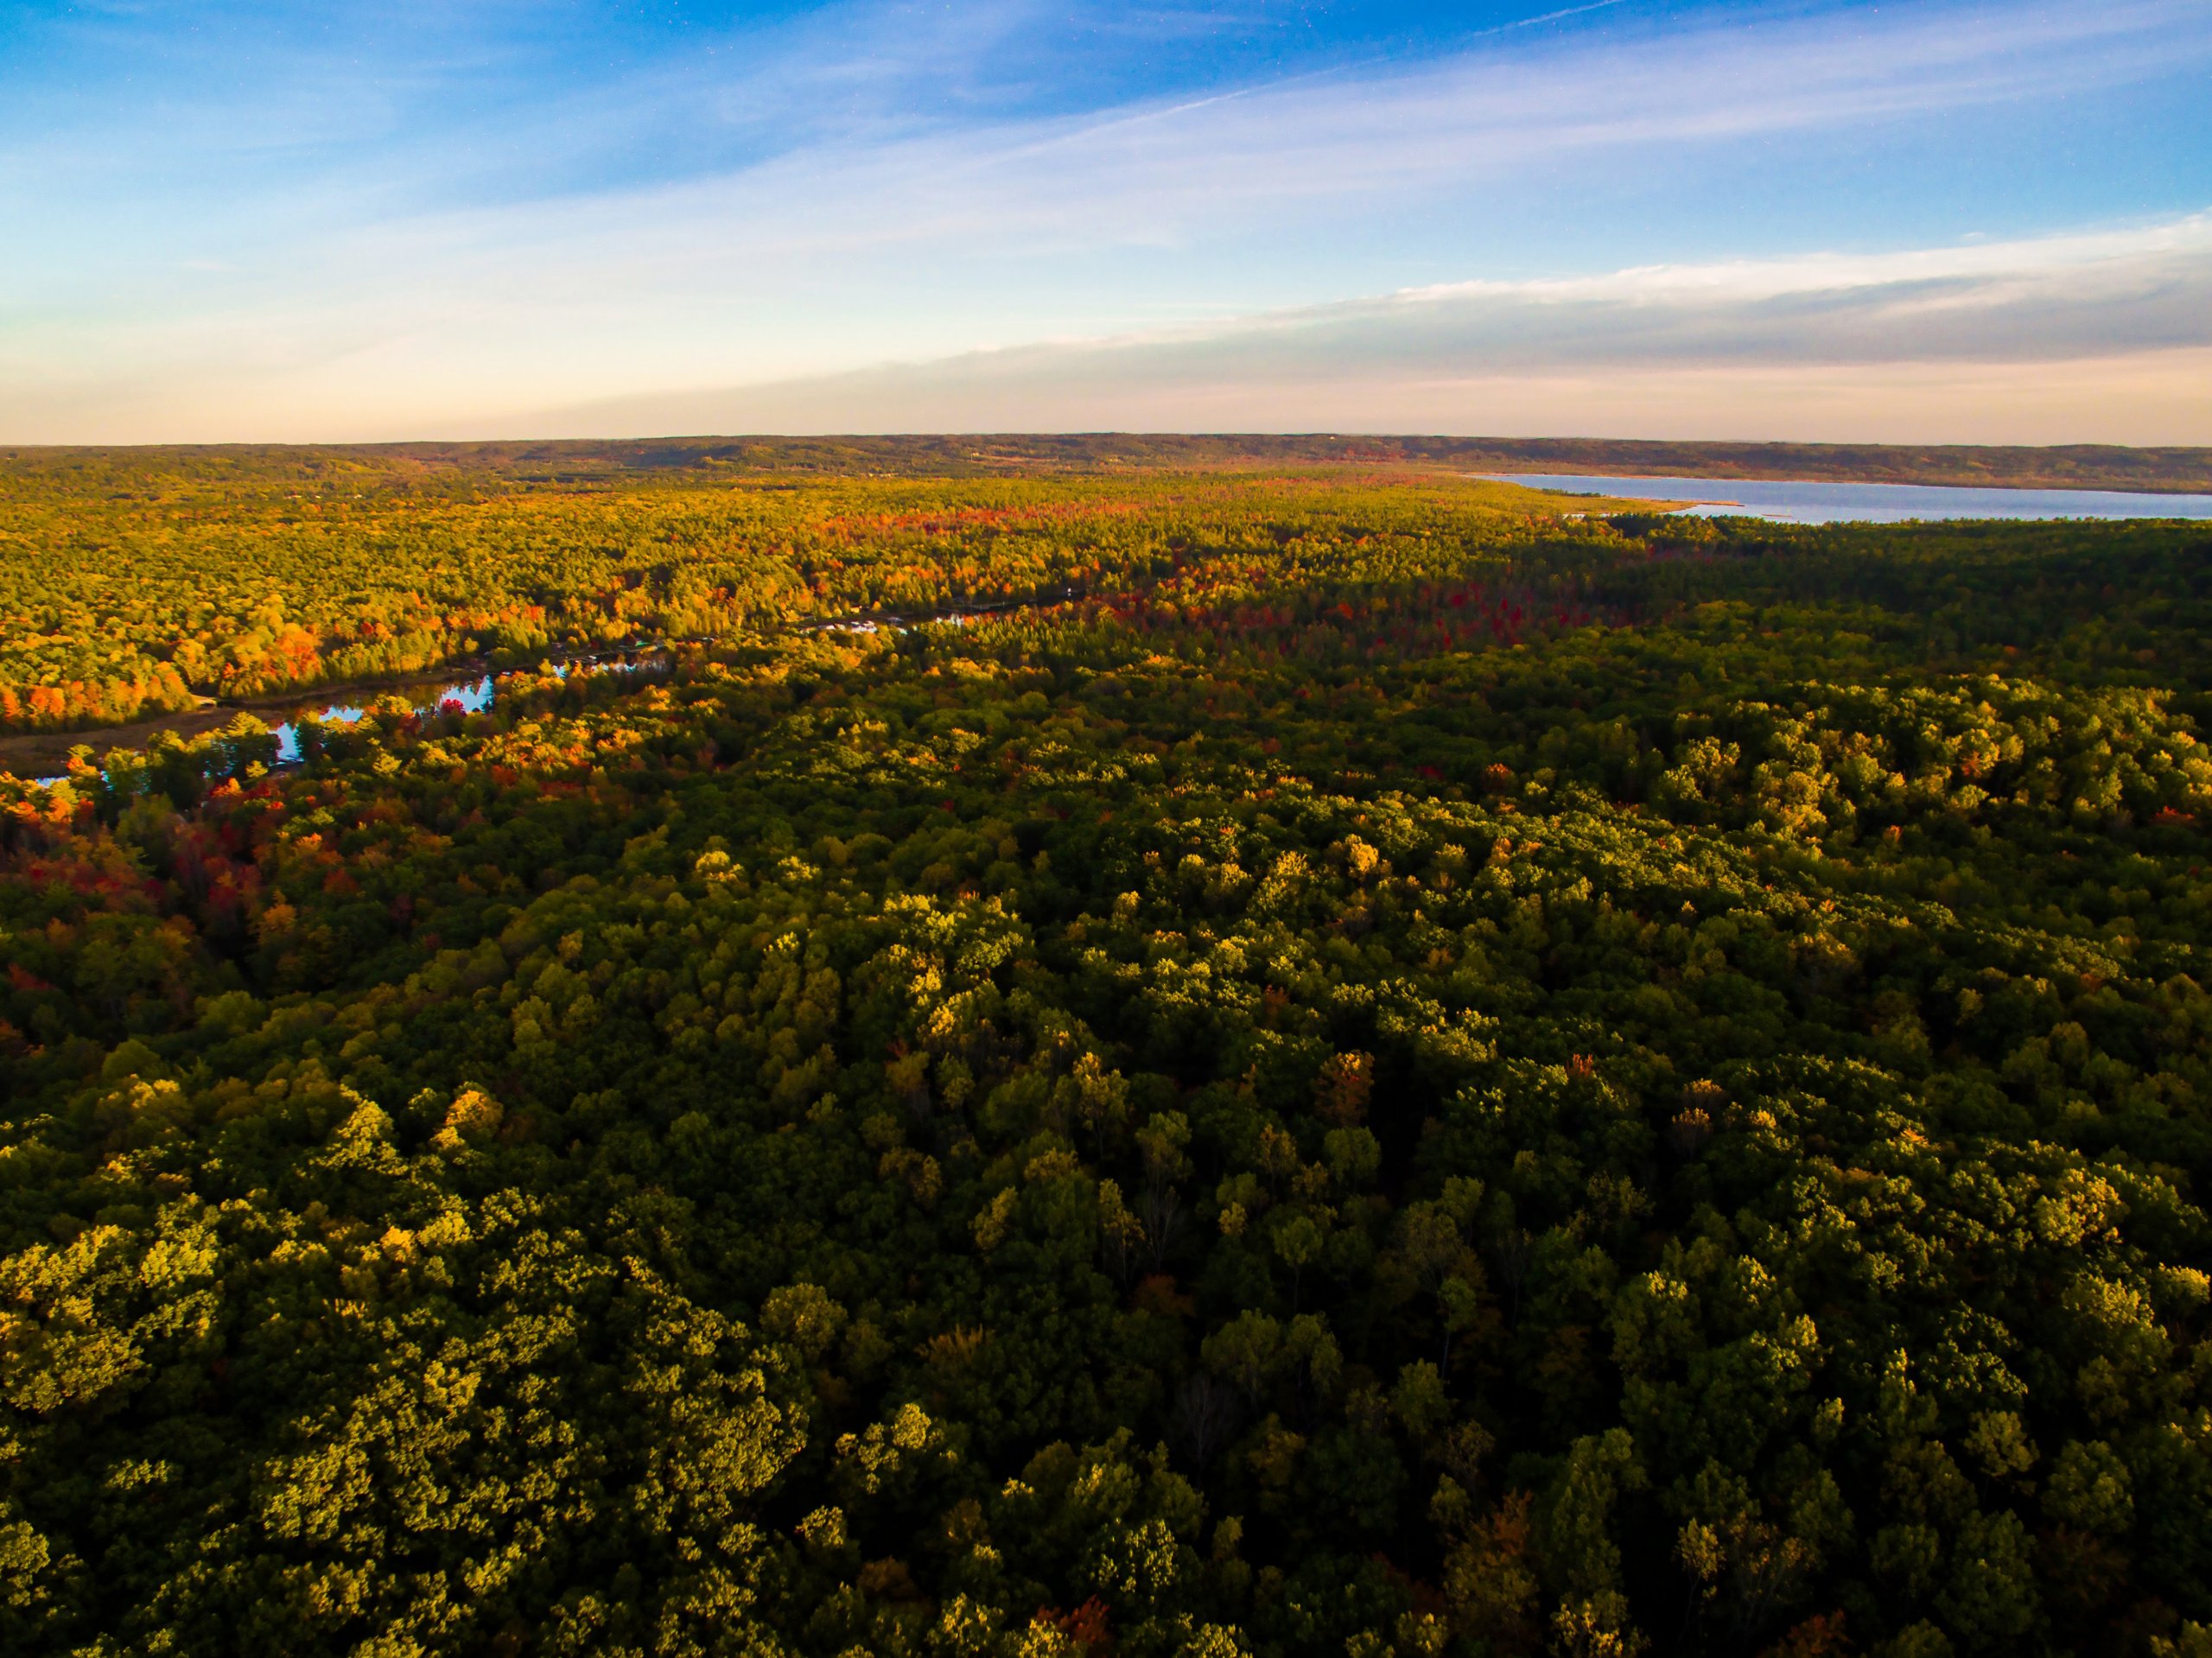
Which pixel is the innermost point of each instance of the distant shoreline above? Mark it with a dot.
(2159, 470)
(1823, 500)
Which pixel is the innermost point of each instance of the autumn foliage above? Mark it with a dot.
(1369, 1069)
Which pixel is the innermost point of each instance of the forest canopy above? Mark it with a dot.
(1316, 1061)
(135, 585)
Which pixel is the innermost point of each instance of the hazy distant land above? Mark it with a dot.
(2085, 466)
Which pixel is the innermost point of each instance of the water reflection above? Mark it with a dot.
(1802, 501)
(474, 696)
(462, 696)
(466, 696)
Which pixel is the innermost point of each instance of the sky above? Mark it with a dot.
(1937, 220)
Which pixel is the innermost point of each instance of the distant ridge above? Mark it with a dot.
(2087, 466)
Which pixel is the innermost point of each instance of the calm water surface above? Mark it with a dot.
(471, 696)
(474, 696)
(1790, 501)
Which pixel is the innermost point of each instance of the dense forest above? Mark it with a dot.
(131, 587)
(136, 583)
(1340, 1063)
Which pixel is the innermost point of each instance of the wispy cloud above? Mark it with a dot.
(1195, 168)
(878, 226)
(2071, 338)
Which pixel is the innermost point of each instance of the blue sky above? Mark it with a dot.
(1918, 221)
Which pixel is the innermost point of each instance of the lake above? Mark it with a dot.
(1804, 501)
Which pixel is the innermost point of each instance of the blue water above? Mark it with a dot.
(1795, 501)
(473, 695)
